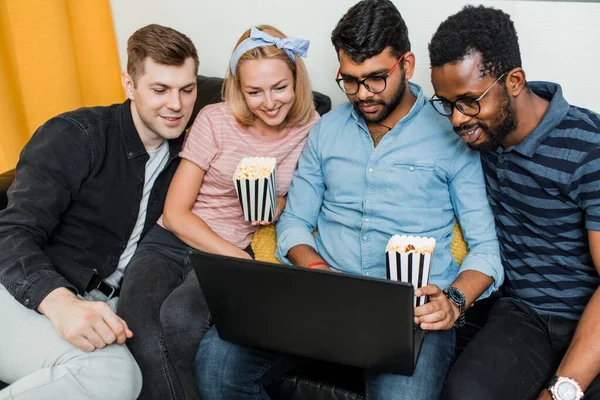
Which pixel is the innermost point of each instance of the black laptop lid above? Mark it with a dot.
(330, 316)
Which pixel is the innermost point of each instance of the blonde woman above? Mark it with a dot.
(267, 112)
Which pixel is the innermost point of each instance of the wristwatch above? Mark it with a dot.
(563, 388)
(458, 298)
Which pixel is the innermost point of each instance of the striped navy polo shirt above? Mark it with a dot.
(545, 195)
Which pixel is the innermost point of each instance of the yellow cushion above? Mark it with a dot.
(264, 243)
(458, 245)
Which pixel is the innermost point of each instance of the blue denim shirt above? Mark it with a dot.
(415, 182)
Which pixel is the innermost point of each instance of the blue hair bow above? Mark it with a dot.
(258, 38)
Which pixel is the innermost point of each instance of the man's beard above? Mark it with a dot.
(388, 108)
(496, 131)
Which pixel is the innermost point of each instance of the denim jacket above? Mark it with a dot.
(75, 200)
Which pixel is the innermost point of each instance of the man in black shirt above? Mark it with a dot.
(89, 184)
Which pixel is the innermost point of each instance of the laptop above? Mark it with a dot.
(335, 317)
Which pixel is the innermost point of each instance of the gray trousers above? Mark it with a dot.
(38, 364)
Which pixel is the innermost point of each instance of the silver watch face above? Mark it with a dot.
(566, 391)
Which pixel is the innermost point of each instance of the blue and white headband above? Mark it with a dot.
(258, 38)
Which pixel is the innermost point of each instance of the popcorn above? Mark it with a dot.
(255, 184)
(408, 259)
(410, 244)
(255, 168)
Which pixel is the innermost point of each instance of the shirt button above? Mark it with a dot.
(411, 169)
(366, 219)
(367, 274)
(500, 159)
(365, 237)
(130, 154)
(501, 179)
(26, 302)
(370, 169)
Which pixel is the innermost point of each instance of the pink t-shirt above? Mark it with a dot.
(216, 143)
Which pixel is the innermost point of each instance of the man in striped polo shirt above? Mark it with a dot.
(541, 159)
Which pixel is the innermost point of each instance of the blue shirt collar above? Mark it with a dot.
(555, 113)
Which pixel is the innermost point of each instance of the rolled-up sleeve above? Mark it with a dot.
(471, 207)
(305, 198)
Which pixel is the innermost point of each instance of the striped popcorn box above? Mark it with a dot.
(408, 259)
(255, 185)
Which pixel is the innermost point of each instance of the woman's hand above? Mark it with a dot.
(281, 200)
(243, 255)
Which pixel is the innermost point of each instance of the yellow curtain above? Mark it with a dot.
(55, 56)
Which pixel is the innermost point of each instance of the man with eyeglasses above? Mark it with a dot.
(541, 159)
(383, 164)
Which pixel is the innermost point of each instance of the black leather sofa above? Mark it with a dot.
(318, 380)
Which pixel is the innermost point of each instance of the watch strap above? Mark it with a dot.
(456, 296)
(551, 382)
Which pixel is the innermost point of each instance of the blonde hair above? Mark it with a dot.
(303, 107)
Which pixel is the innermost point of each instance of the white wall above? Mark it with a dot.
(559, 40)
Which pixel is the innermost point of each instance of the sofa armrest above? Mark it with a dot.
(6, 179)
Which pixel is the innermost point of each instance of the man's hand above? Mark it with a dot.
(304, 255)
(88, 325)
(439, 313)
(281, 200)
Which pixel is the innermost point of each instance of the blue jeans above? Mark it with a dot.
(229, 371)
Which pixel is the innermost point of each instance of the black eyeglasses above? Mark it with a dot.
(467, 106)
(374, 84)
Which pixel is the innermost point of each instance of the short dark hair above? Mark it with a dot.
(161, 44)
(482, 30)
(368, 28)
